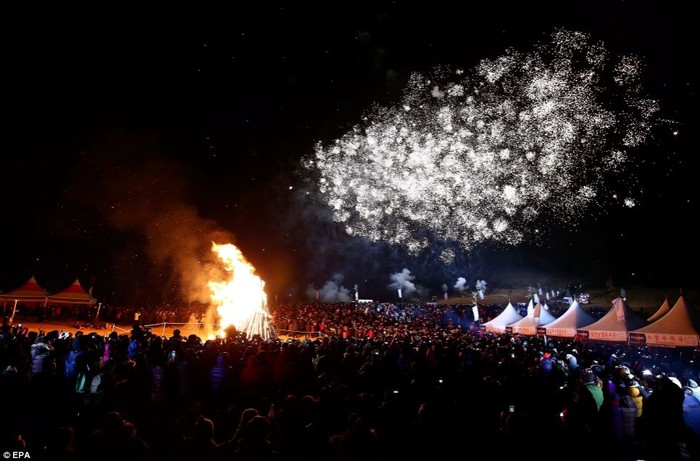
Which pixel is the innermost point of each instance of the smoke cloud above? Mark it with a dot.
(402, 281)
(461, 285)
(481, 288)
(332, 290)
(312, 292)
(143, 203)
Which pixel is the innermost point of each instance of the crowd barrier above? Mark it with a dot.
(188, 328)
(299, 334)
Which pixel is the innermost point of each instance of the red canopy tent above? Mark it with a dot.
(32, 293)
(29, 292)
(73, 294)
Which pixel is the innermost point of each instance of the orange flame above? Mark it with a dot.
(241, 300)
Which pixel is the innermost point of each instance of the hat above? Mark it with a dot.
(546, 355)
(692, 384)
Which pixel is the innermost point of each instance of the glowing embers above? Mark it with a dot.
(241, 300)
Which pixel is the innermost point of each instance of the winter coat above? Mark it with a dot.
(636, 395)
(74, 357)
(691, 413)
(629, 416)
(43, 359)
(218, 374)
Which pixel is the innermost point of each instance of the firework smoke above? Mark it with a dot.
(461, 285)
(332, 291)
(481, 288)
(402, 282)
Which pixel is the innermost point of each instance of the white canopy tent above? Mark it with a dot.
(616, 324)
(663, 310)
(537, 316)
(570, 321)
(680, 327)
(505, 318)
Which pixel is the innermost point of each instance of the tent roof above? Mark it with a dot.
(542, 312)
(536, 317)
(574, 317)
(29, 291)
(680, 320)
(73, 294)
(508, 316)
(663, 310)
(619, 318)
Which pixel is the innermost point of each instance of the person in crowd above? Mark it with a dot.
(254, 443)
(661, 426)
(691, 416)
(116, 436)
(43, 360)
(201, 444)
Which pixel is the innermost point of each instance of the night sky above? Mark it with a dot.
(132, 138)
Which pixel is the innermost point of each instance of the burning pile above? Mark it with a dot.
(241, 300)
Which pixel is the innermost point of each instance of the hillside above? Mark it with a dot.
(513, 286)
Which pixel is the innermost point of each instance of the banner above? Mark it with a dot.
(637, 338)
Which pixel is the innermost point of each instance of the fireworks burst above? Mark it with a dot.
(468, 157)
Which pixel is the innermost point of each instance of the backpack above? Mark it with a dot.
(96, 384)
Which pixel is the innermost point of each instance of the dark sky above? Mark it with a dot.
(133, 137)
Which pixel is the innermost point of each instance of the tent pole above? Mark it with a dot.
(14, 309)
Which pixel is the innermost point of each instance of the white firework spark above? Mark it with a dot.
(468, 157)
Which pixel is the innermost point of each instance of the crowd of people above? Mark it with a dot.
(376, 381)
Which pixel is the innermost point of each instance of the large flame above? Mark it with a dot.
(241, 300)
